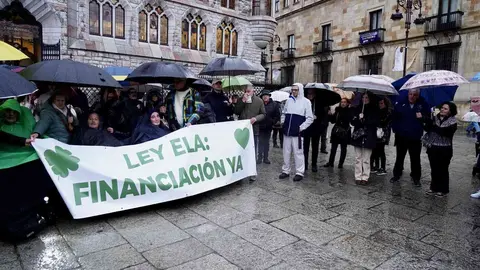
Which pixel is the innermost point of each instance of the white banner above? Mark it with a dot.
(96, 180)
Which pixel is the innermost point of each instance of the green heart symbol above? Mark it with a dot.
(242, 136)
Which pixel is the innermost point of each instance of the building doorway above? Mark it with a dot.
(19, 28)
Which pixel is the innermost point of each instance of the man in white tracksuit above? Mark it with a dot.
(297, 116)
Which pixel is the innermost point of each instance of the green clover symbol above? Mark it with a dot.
(61, 161)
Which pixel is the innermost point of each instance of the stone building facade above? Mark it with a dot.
(131, 32)
(330, 40)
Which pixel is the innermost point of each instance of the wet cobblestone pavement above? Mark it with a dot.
(323, 222)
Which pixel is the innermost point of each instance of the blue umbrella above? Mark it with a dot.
(434, 96)
(14, 85)
(476, 78)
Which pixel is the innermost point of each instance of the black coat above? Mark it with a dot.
(272, 116)
(320, 123)
(385, 123)
(219, 104)
(369, 123)
(92, 136)
(342, 119)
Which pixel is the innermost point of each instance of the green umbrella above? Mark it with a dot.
(235, 82)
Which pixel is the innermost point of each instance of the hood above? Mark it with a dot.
(25, 123)
(301, 93)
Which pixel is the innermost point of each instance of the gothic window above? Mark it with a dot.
(94, 17)
(227, 39)
(194, 33)
(106, 18)
(153, 26)
(228, 4)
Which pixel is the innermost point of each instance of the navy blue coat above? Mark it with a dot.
(219, 104)
(405, 122)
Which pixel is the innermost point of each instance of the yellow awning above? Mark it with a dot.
(10, 53)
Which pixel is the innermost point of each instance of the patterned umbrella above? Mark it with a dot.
(14, 85)
(69, 72)
(434, 78)
(377, 84)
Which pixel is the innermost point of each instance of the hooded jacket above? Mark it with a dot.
(297, 114)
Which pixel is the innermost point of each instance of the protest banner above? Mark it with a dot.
(96, 180)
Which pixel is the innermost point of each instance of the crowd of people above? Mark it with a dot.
(299, 123)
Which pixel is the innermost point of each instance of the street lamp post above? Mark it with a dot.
(409, 6)
(275, 39)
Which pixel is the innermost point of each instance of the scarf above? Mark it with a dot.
(64, 111)
(432, 138)
(14, 155)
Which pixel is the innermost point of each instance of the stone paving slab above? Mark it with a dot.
(183, 218)
(48, 251)
(354, 225)
(14, 265)
(7, 253)
(212, 261)
(147, 230)
(405, 244)
(232, 247)
(176, 253)
(113, 258)
(263, 235)
(303, 255)
(365, 252)
(309, 229)
(85, 236)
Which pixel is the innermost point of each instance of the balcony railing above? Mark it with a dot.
(263, 60)
(444, 22)
(372, 36)
(288, 54)
(323, 46)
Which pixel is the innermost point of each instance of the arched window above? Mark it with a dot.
(194, 33)
(228, 4)
(227, 39)
(153, 25)
(104, 15)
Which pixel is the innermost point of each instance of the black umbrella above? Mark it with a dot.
(69, 72)
(13, 85)
(325, 96)
(230, 66)
(202, 85)
(161, 72)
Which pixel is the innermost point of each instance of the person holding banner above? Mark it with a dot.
(297, 116)
(251, 107)
(149, 128)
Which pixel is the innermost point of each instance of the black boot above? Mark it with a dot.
(314, 168)
(259, 160)
(266, 161)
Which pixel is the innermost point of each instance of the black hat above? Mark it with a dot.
(265, 92)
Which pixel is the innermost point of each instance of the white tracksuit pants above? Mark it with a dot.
(291, 145)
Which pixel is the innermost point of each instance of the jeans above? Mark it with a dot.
(413, 147)
(264, 144)
(315, 139)
(333, 152)
(440, 157)
(279, 133)
(473, 126)
(378, 158)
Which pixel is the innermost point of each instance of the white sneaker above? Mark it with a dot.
(476, 195)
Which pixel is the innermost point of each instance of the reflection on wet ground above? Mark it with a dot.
(325, 222)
